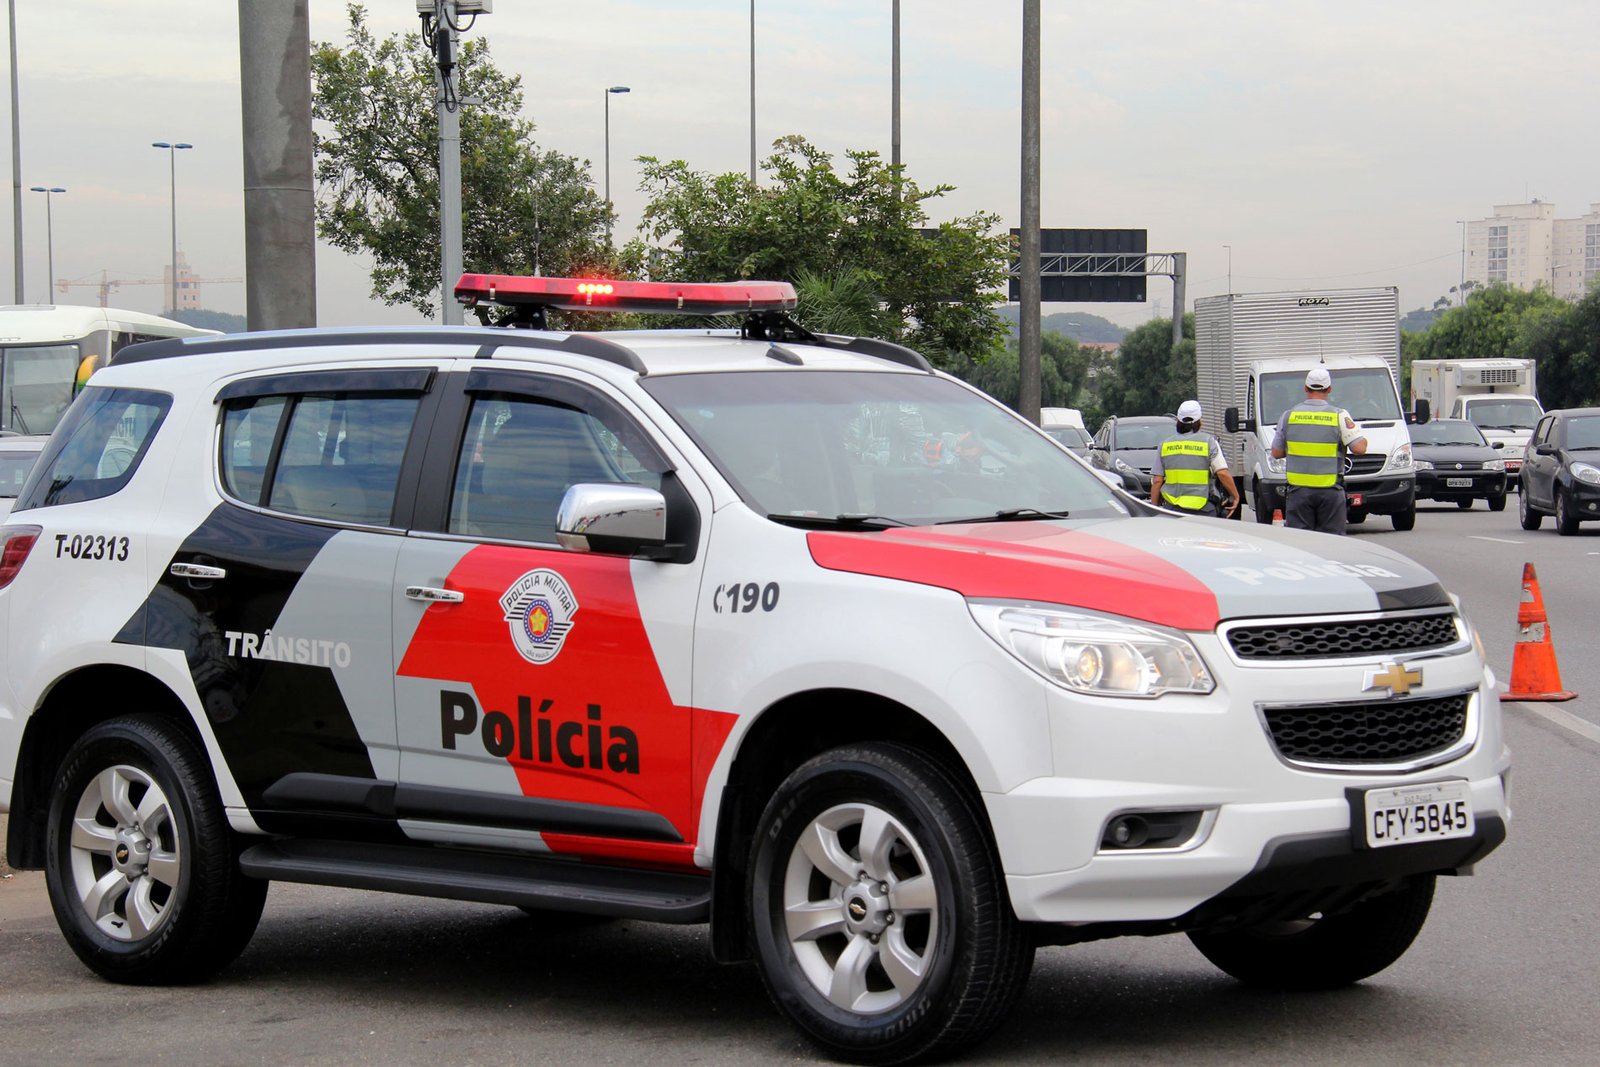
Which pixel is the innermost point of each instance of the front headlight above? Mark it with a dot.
(1400, 459)
(1123, 465)
(1096, 654)
(1277, 464)
(1424, 465)
(1490, 464)
(1586, 473)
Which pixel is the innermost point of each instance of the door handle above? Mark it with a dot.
(435, 596)
(196, 570)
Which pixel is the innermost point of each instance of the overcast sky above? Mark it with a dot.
(1330, 144)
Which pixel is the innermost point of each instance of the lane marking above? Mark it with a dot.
(1559, 716)
(1504, 541)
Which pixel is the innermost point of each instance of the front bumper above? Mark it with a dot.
(1434, 484)
(1585, 498)
(1382, 496)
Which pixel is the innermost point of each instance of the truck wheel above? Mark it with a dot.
(141, 865)
(1531, 520)
(1566, 519)
(1324, 951)
(1496, 501)
(1405, 520)
(881, 921)
(1262, 505)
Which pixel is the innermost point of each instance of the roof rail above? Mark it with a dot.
(484, 339)
(777, 327)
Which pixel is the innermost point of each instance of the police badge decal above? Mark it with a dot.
(539, 608)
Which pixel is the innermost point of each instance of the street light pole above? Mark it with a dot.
(1461, 286)
(609, 93)
(49, 239)
(16, 164)
(752, 92)
(172, 148)
(1230, 268)
(894, 98)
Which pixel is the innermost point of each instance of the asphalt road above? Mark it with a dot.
(1504, 973)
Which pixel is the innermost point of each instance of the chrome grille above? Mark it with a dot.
(1364, 464)
(1388, 635)
(1380, 732)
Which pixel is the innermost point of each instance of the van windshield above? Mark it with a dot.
(1365, 392)
(36, 385)
(1512, 413)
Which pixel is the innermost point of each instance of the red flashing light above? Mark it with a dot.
(18, 541)
(599, 294)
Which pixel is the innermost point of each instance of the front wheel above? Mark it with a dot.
(1324, 951)
(1465, 503)
(1404, 520)
(1566, 518)
(1496, 501)
(141, 866)
(882, 924)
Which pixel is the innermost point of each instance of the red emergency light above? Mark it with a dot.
(603, 294)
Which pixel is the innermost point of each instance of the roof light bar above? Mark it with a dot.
(604, 294)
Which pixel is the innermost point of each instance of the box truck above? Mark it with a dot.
(1499, 396)
(1252, 352)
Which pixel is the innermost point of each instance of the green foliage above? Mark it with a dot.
(211, 320)
(1151, 375)
(855, 237)
(1500, 321)
(378, 175)
(1063, 371)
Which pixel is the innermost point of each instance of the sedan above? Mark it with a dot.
(1561, 470)
(17, 453)
(1454, 462)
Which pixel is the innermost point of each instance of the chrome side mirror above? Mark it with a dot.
(612, 518)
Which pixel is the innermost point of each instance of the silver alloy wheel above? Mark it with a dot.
(861, 908)
(125, 853)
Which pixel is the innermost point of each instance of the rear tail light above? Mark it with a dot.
(18, 542)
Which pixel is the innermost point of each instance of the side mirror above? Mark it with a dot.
(1544, 450)
(1422, 413)
(1497, 444)
(1230, 420)
(615, 519)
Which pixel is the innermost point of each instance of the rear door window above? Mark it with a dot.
(96, 449)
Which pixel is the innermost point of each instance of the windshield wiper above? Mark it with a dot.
(847, 520)
(1010, 515)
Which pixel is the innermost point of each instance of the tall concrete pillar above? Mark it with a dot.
(279, 194)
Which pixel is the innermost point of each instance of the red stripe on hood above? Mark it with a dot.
(1027, 561)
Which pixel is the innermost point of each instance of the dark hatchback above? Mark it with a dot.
(1127, 448)
(1454, 462)
(1561, 470)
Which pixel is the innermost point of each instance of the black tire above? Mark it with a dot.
(1496, 501)
(1465, 503)
(182, 909)
(1327, 951)
(1566, 518)
(1261, 505)
(959, 956)
(1355, 516)
(1405, 520)
(1531, 519)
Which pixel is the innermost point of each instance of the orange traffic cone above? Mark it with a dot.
(1277, 514)
(1534, 674)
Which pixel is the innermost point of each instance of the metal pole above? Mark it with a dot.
(894, 100)
(1230, 267)
(1180, 281)
(172, 166)
(1461, 286)
(752, 92)
(16, 166)
(450, 257)
(50, 247)
(1028, 336)
(608, 168)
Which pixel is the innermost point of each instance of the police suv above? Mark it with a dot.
(695, 626)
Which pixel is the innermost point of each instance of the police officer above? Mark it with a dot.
(1186, 464)
(1315, 436)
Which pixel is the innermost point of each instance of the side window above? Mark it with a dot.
(1541, 436)
(1250, 397)
(248, 430)
(518, 458)
(341, 457)
(96, 449)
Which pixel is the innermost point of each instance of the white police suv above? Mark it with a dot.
(781, 632)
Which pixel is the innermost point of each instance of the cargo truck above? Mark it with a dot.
(1499, 396)
(1252, 352)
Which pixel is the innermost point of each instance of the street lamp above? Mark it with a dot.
(609, 93)
(49, 238)
(1230, 267)
(172, 156)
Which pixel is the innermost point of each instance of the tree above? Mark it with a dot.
(1495, 321)
(858, 234)
(1063, 370)
(524, 210)
(1152, 376)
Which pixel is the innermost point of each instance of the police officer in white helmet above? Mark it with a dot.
(1187, 464)
(1314, 436)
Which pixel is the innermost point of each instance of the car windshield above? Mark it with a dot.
(876, 448)
(14, 468)
(1447, 432)
(1070, 436)
(1367, 393)
(1584, 432)
(1520, 413)
(1141, 434)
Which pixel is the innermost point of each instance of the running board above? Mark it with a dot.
(521, 881)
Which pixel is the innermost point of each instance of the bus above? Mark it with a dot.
(47, 352)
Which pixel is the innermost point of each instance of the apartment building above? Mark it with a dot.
(1526, 246)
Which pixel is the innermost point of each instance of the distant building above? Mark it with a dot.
(1526, 246)
(188, 289)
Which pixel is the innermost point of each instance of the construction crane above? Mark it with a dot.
(106, 283)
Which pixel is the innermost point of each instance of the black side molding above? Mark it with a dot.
(489, 878)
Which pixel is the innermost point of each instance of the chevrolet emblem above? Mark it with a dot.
(1395, 677)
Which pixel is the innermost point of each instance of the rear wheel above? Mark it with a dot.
(1530, 518)
(1324, 951)
(1405, 520)
(1566, 518)
(882, 925)
(141, 866)
(1496, 501)
(1262, 504)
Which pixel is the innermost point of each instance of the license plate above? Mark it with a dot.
(1355, 500)
(1431, 812)
(1458, 483)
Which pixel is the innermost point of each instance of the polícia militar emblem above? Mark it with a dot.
(539, 608)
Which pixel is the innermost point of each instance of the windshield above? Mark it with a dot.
(1512, 413)
(909, 448)
(1070, 436)
(1584, 432)
(36, 386)
(1447, 432)
(1141, 434)
(1365, 392)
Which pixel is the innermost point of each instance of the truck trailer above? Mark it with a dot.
(1497, 395)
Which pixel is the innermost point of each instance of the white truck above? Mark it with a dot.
(1499, 396)
(1252, 351)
